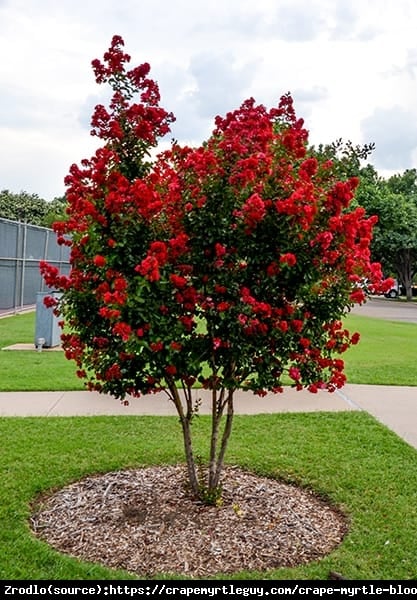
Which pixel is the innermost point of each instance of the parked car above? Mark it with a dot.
(394, 291)
(399, 290)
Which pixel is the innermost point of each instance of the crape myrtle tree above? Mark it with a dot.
(227, 266)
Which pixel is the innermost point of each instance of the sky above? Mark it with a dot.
(350, 66)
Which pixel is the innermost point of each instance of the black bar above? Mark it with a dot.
(207, 589)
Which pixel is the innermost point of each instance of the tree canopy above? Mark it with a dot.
(394, 201)
(228, 265)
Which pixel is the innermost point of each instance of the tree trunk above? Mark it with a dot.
(405, 263)
(185, 419)
(217, 453)
(207, 491)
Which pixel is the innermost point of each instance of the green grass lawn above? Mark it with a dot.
(386, 353)
(358, 464)
(30, 370)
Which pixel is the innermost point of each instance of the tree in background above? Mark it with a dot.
(347, 158)
(227, 266)
(31, 209)
(56, 211)
(23, 207)
(394, 201)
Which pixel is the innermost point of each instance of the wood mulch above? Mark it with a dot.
(145, 522)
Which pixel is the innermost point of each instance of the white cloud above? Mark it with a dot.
(394, 132)
(298, 21)
(347, 65)
(220, 82)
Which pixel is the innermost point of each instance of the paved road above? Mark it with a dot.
(387, 308)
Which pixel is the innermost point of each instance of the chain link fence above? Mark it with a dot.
(22, 247)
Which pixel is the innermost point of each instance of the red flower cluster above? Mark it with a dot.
(149, 268)
(146, 120)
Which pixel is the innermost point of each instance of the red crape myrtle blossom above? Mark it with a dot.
(230, 265)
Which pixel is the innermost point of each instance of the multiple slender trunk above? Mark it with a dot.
(221, 427)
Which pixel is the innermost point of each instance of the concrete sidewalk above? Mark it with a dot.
(395, 407)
